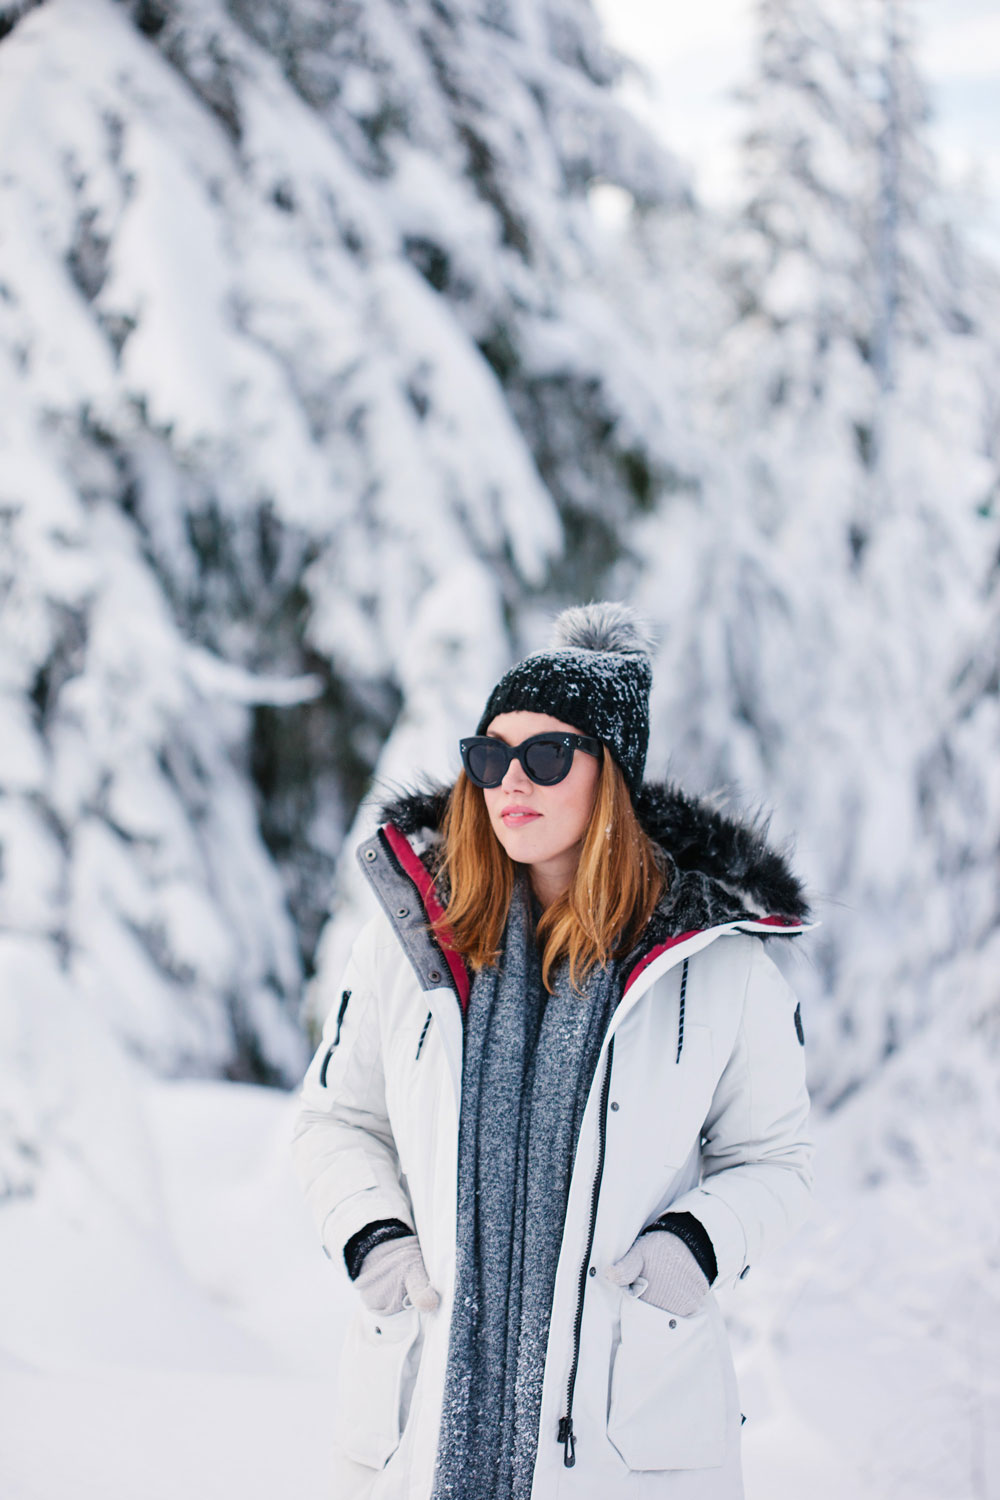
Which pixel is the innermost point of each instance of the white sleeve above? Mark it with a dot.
(342, 1146)
(757, 1157)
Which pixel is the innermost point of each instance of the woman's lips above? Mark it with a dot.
(514, 818)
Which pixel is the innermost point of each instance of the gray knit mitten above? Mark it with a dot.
(671, 1276)
(392, 1272)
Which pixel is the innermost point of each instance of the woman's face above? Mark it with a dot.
(541, 826)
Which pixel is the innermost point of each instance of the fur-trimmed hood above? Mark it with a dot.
(723, 868)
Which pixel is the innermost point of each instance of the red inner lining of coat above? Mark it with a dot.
(418, 873)
(647, 958)
(682, 937)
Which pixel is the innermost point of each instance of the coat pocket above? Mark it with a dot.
(378, 1365)
(668, 1395)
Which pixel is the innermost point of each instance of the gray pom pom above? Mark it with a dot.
(607, 626)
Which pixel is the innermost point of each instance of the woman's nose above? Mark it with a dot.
(515, 776)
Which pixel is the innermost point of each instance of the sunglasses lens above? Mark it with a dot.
(486, 764)
(548, 761)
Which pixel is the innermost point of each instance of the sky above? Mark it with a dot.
(697, 55)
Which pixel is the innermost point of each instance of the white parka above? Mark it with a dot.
(699, 1103)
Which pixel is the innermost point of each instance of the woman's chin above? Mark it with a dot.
(519, 844)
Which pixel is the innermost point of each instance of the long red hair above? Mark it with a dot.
(619, 878)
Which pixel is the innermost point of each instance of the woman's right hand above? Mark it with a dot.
(393, 1271)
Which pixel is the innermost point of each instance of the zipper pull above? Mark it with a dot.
(568, 1441)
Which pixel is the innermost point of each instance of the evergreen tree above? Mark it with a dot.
(844, 593)
(311, 389)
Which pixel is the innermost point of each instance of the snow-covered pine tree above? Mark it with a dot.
(824, 606)
(309, 385)
(829, 606)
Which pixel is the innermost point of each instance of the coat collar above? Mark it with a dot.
(731, 854)
(723, 868)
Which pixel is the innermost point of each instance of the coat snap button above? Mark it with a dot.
(673, 1322)
(402, 911)
(371, 854)
(434, 976)
(593, 1270)
(614, 1104)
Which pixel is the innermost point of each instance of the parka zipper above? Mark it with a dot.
(345, 997)
(422, 1035)
(565, 1434)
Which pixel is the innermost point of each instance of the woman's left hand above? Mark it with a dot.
(673, 1279)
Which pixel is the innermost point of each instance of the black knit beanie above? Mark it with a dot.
(596, 674)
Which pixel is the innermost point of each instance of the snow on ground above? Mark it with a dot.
(869, 1352)
(190, 1357)
(195, 1356)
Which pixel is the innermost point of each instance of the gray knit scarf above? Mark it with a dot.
(529, 1061)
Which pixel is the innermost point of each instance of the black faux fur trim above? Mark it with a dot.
(728, 852)
(733, 851)
(419, 810)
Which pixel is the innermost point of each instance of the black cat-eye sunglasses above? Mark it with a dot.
(546, 757)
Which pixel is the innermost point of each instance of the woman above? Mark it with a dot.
(560, 1097)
